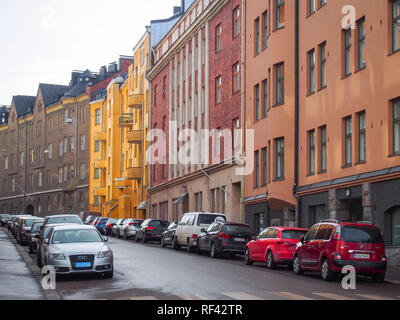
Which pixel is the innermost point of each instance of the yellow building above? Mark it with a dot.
(118, 175)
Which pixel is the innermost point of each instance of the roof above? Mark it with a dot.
(77, 90)
(24, 105)
(52, 93)
(99, 95)
(74, 226)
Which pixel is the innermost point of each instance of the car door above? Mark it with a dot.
(308, 249)
(206, 239)
(181, 230)
(257, 245)
(321, 241)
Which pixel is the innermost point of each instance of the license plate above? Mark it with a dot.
(83, 265)
(240, 239)
(361, 256)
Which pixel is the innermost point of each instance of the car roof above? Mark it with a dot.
(63, 215)
(208, 213)
(288, 228)
(74, 227)
(60, 224)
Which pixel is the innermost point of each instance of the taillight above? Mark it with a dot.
(131, 224)
(109, 226)
(150, 229)
(224, 236)
(194, 236)
(384, 259)
(337, 236)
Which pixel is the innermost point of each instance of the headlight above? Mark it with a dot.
(105, 252)
(57, 256)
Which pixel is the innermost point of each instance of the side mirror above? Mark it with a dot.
(302, 240)
(105, 239)
(46, 241)
(203, 230)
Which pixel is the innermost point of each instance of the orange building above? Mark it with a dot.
(340, 120)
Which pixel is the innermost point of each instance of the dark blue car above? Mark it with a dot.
(100, 224)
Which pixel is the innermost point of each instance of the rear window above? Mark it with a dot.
(361, 234)
(57, 220)
(208, 218)
(236, 228)
(36, 227)
(29, 223)
(293, 234)
(156, 223)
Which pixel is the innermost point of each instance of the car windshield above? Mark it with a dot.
(236, 228)
(157, 223)
(71, 219)
(293, 234)
(361, 234)
(75, 236)
(29, 222)
(208, 218)
(36, 227)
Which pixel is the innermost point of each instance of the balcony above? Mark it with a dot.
(125, 120)
(135, 101)
(134, 173)
(100, 192)
(122, 184)
(69, 187)
(100, 136)
(100, 164)
(134, 136)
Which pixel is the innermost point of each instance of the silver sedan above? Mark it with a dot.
(78, 249)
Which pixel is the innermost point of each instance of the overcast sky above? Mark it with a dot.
(42, 41)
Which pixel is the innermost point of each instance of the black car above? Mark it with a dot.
(151, 230)
(169, 234)
(24, 229)
(33, 241)
(224, 238)
(108, 226)
(3, 219)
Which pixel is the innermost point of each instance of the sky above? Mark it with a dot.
(42, 41)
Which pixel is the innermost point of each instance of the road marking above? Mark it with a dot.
(374, 297)
(290, 296)
(241, 296)
(143, 298)
(332, 296)
(192, 297)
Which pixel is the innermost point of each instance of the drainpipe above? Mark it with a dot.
(76, 157)
(26, 162)
(120, 135)
(243, 111)
(296, 124)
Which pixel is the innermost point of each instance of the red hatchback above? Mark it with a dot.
(330, 245)
(274, 246)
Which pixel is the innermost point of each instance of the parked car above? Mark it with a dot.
(107, 227)
(130, 227)
(274, 246)
(24, 229)
(33, 241)
(4, 218)
(151, 230)
(77, 249)
(62, 218)
(17, 224)
(119, 229)
(224, 238)
(114, 230)
(10, 222)
(330, 245)
(100, 224)
(190, 227)
(88, 219)
(169, 234)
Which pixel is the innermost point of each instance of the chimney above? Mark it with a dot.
(103, 71)
(74, 77)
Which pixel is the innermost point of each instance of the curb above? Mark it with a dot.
(36, 272)
(396, 282)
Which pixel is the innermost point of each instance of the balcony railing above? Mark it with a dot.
(135, 101)
(122, 184)
(126, 120)
(100, 136)
(134, 136)
(134, 173)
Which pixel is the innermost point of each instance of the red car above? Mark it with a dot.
(275, 245)
(330, 245)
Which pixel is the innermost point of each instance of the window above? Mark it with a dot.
(279, 14)
(218, 84)
(40, 178)
(311, 71)
(311, 6)
(198, 197)
(394, 227)
(83, 140)
(214, 200)
(311, 152)
(347, 46)
(265, 98)
(361, 43)
(22, 158)
(322, 3)
(60, 148)
(50, 149)
(65, 145)
(97, 146)
(12, 184)
(218, 35)
(264, 166)
(257, 36)
(72, 171)
(265, 30)
(236, 77)
(362, 137)
(82, 171)
(155, 95)
(72, 144)
(256, 169)
(395, 25)
(324, 232)
(280, 84)
(279, 158)
(236, 22)
(323, 149)
(65, 169)
(48, 177)
(96, 173)
(164, 87)
(322, 67)
(348, 141)
(32, 155)
(257, 102)
(396, 127)
(6, 163)
(60, 175)
(97, 116)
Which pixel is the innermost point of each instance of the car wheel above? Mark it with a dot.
(125, 236)
(30, 250)
(189, 248)
(296, 266)
(270, 261)
(379, 278)
(326, 272)
(247, 258)
(162, 243)
(144, 240)
(213, 251)
(232, 256)
(109, 274)
(175, 244)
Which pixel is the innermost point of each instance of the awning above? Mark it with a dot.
(142, 206)
(183, 196)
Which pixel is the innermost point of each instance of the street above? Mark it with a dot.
(149, 272)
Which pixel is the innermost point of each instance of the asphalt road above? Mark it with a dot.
(147, 271)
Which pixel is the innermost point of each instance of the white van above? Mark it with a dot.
(190, 227)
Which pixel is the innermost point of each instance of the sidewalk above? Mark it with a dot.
(393, 274)
(16, 280)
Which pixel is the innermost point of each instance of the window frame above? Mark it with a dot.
(322, 65)
(348, 141)
(347, 34)
(396, 126)
(395, 21)
(361, 44)
(279, 83)
(311, 152)
(323, 149)
(280, 158)
(362, 136)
